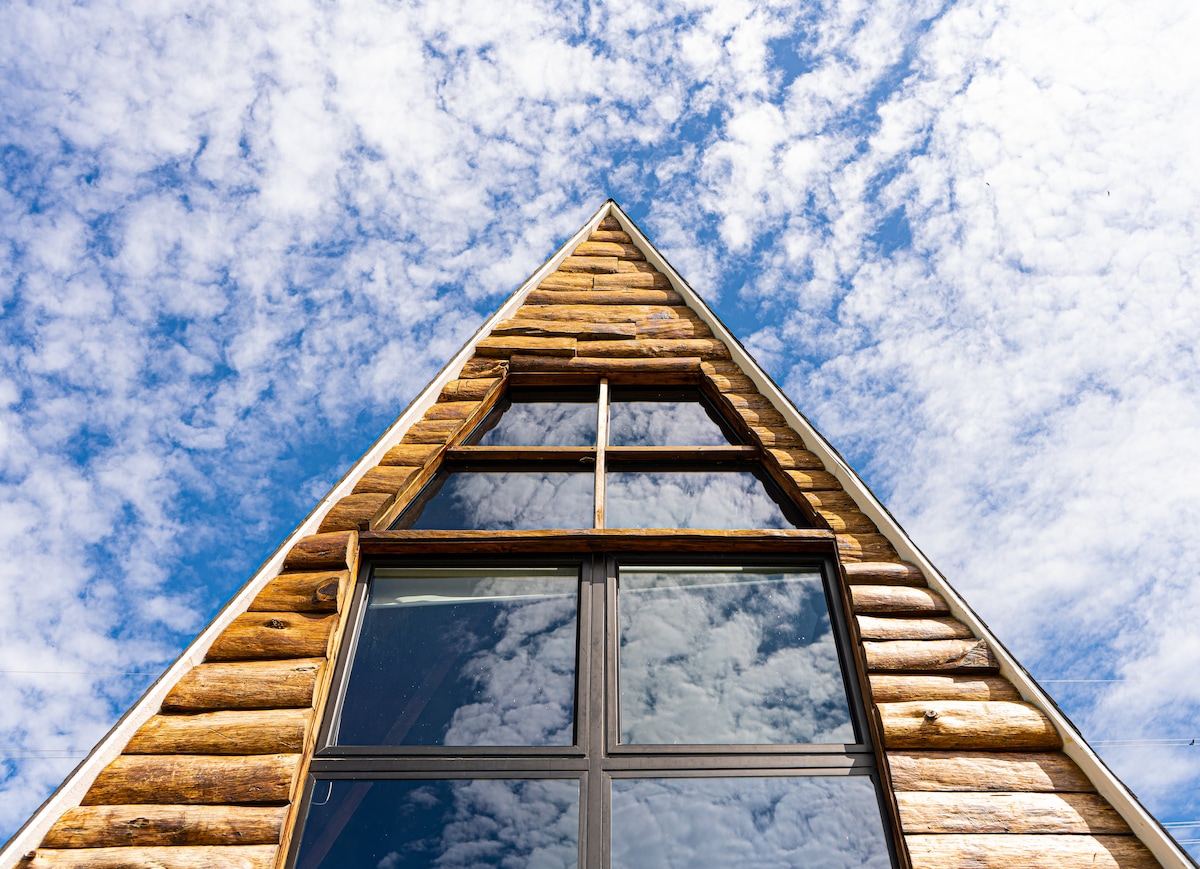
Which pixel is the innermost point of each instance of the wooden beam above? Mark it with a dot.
(986, 771)
(466, 390)
(240, 731)
(193, 857)
(930, 655)
(302, 592)
(705, 348)
(590, 312)
(875, 628)
(597, 540)
(195, 779)
(897, 600)
(564, 298)
(590, 264)
(883, 573)
(507, 345)
(1008, 813)
(1009, 851)
(246, 685)
(139, 826)
(889, 688)
(258, 635)
(386, 479)
(322, 552)
(353, 511)
(573, 329)
(974, 726)
(607, 365)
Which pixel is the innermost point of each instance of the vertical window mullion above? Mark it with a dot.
(601, 445)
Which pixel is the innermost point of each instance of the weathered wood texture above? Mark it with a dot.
(883, 573)
(897, 600)
(1015, 851)
(242, 731)
(195, 779)
(135, 826)
(930, 656)
(353, 512)
(302, 592)
(887, 688)
(464, 390)
(865, 547)
(246, 685)
(875, 628)
(191, 857)
(986, 771)
(969, 725)
(1011, 812)
(322, 552)
(274, 635)
(385, 479)
(604, 364)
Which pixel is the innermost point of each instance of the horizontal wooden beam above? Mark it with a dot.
(322, 552)
(240, 731)
(1013, 812)
(621, 310)
(564, 298)
(1010, 851)
(246, 685)
(883, 573)
(134, 826)
(1037, 772)
(193, 857)
(274, 635)
(302, 592)
(930, 655)
(897, 600)
(793, 541)
(890, 688)
(607, 365)
(971, 725)
(195, 779)
(876, 628)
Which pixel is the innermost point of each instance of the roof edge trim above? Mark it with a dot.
(73, 788)
(1143, 824)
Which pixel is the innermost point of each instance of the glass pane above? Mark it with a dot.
(691, 499)
(506, 501)
(426, 824)
(464, 657)
(662, 418)
(535, 419)
(719, 655)
(826, 822)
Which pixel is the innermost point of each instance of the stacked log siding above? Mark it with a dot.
(978, 774)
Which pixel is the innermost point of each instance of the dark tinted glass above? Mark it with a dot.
(765, 823)
(691, 499)
(662, 418)
(505, 501)
(442, 824)
(719, 655)
(464, 657)
(529, 418)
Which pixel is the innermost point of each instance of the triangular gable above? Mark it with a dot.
(206, 768)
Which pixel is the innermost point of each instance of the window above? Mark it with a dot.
(623, 709)
(595, 457)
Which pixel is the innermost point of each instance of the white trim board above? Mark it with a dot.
(75, 786)
(1110, 787)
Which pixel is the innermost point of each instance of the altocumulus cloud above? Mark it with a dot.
(237, 239)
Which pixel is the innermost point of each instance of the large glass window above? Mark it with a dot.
(635, 458)
(595, 709)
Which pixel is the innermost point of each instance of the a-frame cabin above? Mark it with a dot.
(600, 596)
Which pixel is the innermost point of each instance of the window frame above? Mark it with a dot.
(597, 757)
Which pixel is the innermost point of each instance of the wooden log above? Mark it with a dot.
(354, 512)
(705, 348)
(567, 281)
(776, 436)
(241, 731)
(852, 521)
(897, 600)
(974, 726)
(833, 498)
(730, 382)
(222, 780)
(445, 409)
(590, 264)
(623, 250)
(887, 688)
(431, 431)
(615, 313)
(246, 685)
(385, 479)
(853, 546)
(192, 857)
(573, 329)
(507, 345)
(668, 540)
(323, 552)
(409, 455)
(1008, 813)
(139, 826)
(303, 592)
(796, 459)
(1011, 851)
(629, 266)
(274, 635)
(606, 364)
(874, 628)
(930, 655)
(633, 280)
(602, 297)
(608, 224)
(883, 573)
(611, 235)
(672, 329)
(467, 390)
(986, 771)
(482, 367)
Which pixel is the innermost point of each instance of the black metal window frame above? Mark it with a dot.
(597, 757)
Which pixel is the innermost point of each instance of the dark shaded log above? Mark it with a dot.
(887, 688)
(354, 511)
(852, 521)
(246, 685)
(865, 547)
(483, 367)
(386, 479)
(973, 726)
(986, 771)
(467, 390)
(322, 552)
(1009, 851)
(1008, 813)
(248, 731)
(133, 826)
(302, 592)
(590, 264)
(274, 635)
(777, 435)
(883, 573)
(565, 298)
(431, 431)
(931, 655)
(507, 345)
(610, 224)
(705, 348)
(194, 779)
(796, 459)
(596, 540)
(409, 455)
(606, 364)
(875, 628)
(194, 857)
(897, 600)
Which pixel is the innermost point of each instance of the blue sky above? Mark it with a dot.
(238, 239)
